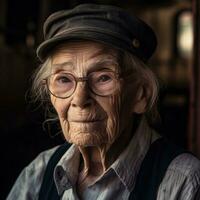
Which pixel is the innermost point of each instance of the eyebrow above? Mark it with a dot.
(101, 65)
(96, 66)
(60, 66)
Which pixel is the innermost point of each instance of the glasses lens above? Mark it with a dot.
(103, 82)
(61, 84)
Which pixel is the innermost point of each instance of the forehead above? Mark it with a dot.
(83, 54)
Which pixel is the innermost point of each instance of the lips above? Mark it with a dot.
(85, 120)
(83, 116)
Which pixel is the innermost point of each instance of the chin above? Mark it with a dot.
(87, 139)
(86, 134)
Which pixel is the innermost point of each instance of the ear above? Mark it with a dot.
(140, 102)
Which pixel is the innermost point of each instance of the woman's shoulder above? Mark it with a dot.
(186, 164)
(38, 166)
(182, 178)
(30, 179)
(43, 157)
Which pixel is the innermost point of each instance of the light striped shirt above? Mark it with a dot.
(181, 181)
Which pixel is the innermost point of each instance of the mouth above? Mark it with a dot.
(86, 121)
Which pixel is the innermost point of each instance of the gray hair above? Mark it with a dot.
(128, 62)
(39, 89)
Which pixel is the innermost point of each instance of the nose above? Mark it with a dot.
(81, 97)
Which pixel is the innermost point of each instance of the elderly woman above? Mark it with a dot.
(95, 76)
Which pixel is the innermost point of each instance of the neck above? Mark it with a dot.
(91, 168)
(93, 160)
(97, 159)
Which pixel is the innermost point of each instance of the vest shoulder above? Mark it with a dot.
(42, 158)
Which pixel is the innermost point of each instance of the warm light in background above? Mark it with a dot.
(185, 34)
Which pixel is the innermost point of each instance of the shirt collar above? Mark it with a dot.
(128, 163)
(66, 171)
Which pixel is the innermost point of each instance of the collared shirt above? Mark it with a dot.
(181, 181)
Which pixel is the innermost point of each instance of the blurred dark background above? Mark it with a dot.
(21, 121)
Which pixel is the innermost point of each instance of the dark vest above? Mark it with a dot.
(151, 173)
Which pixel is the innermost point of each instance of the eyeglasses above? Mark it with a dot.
(101, 83)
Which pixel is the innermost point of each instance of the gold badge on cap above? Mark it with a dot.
(136, 43)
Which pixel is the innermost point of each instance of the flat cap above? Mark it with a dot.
(106, 24)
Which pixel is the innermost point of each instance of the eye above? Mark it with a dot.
(63, 79)
(104, 78)
(101, 78)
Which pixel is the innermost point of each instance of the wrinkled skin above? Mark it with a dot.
(99, 126)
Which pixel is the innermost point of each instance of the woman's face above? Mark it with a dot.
(86, 118)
